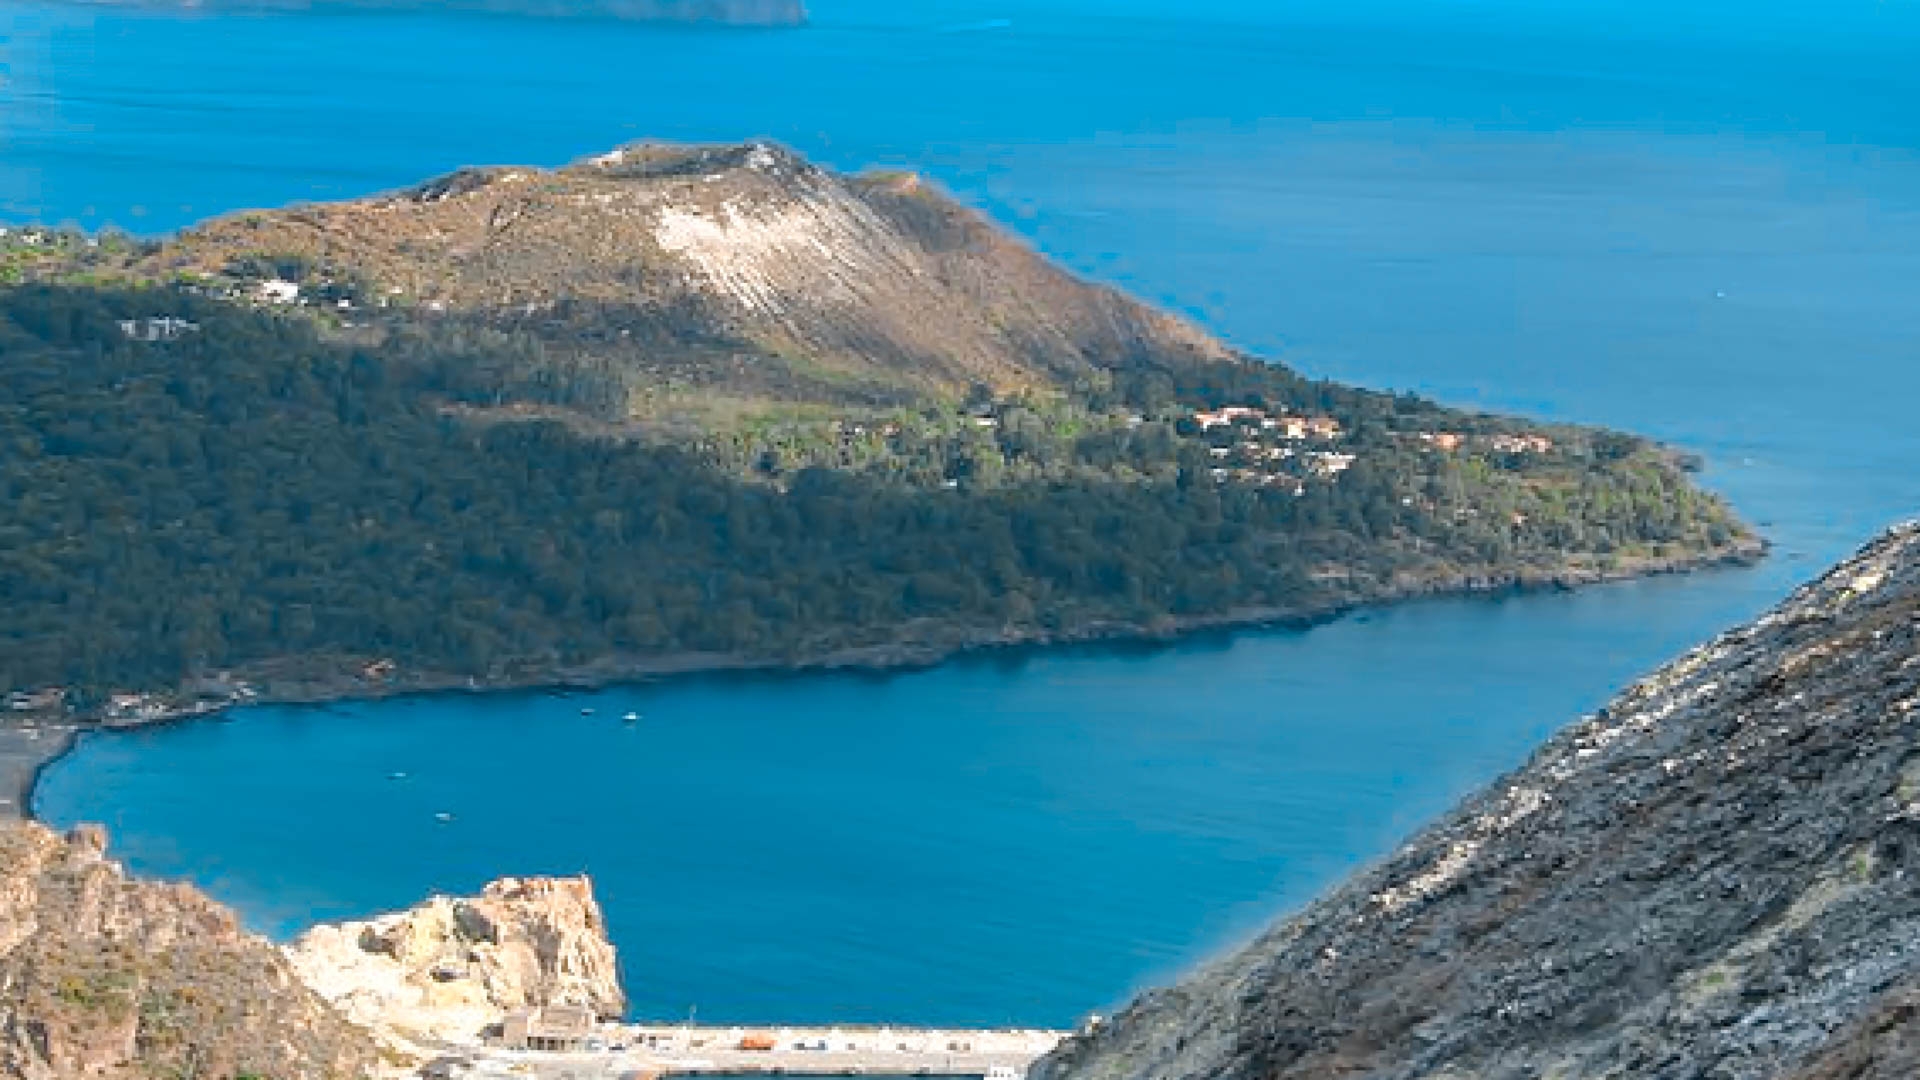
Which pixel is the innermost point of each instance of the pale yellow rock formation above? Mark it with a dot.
(452, 967)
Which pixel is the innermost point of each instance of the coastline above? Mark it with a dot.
(29, 747)
(26, 750)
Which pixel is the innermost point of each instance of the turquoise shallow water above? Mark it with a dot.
(1716, 245)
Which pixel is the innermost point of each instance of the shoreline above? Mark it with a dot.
(29, 748)
(26, 751)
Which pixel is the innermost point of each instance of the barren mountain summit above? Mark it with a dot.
(740, 266)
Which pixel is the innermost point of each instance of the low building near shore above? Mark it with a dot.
(50, 699)
(554, 1028)
(126, 708)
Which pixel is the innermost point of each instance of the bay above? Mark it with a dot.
(1710, 239)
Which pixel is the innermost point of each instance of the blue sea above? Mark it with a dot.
(1699, 221)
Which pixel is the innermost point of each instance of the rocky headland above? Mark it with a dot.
(1716, 875)
(104, 975)
(449, 970)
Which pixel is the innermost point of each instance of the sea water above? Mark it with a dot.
(1710, 237)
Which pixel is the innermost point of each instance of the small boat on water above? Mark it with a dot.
(396, 776)
(586, 712)
(443, 817)
(632, 717)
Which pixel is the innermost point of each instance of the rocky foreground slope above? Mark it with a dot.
(1717, 875)
(107, 977)
(102, 975)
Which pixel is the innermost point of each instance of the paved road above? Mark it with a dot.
(677, 1051)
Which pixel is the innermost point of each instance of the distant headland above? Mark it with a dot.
(717, 12)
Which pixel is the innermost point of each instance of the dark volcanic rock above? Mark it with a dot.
(1717, 875)
(1885, 1045)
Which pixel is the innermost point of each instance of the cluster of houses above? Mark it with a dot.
(135, 708)
(53, 699)
(1328, 464)
(162, 328)
(197, 697)
(281, 292)
(1253, 459)
(39, 236)
(1248, 444)
(118, 707)
(1297, 428)
(848, 431)
(1450, 441)
(1252, 449)
(1522, 444)
(1293, 485)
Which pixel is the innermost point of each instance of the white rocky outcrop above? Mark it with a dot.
(451, 967)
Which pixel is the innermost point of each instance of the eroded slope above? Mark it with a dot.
(104, 976)
(1713, 876)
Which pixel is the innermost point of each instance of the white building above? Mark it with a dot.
(164, 328)
(278, 291)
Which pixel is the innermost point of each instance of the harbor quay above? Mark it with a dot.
(556, 1048)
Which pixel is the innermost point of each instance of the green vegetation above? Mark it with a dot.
(37, 253)
(249, 492)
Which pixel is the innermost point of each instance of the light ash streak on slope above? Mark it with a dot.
(820, 249)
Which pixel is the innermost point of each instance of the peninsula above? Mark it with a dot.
(675, 408)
